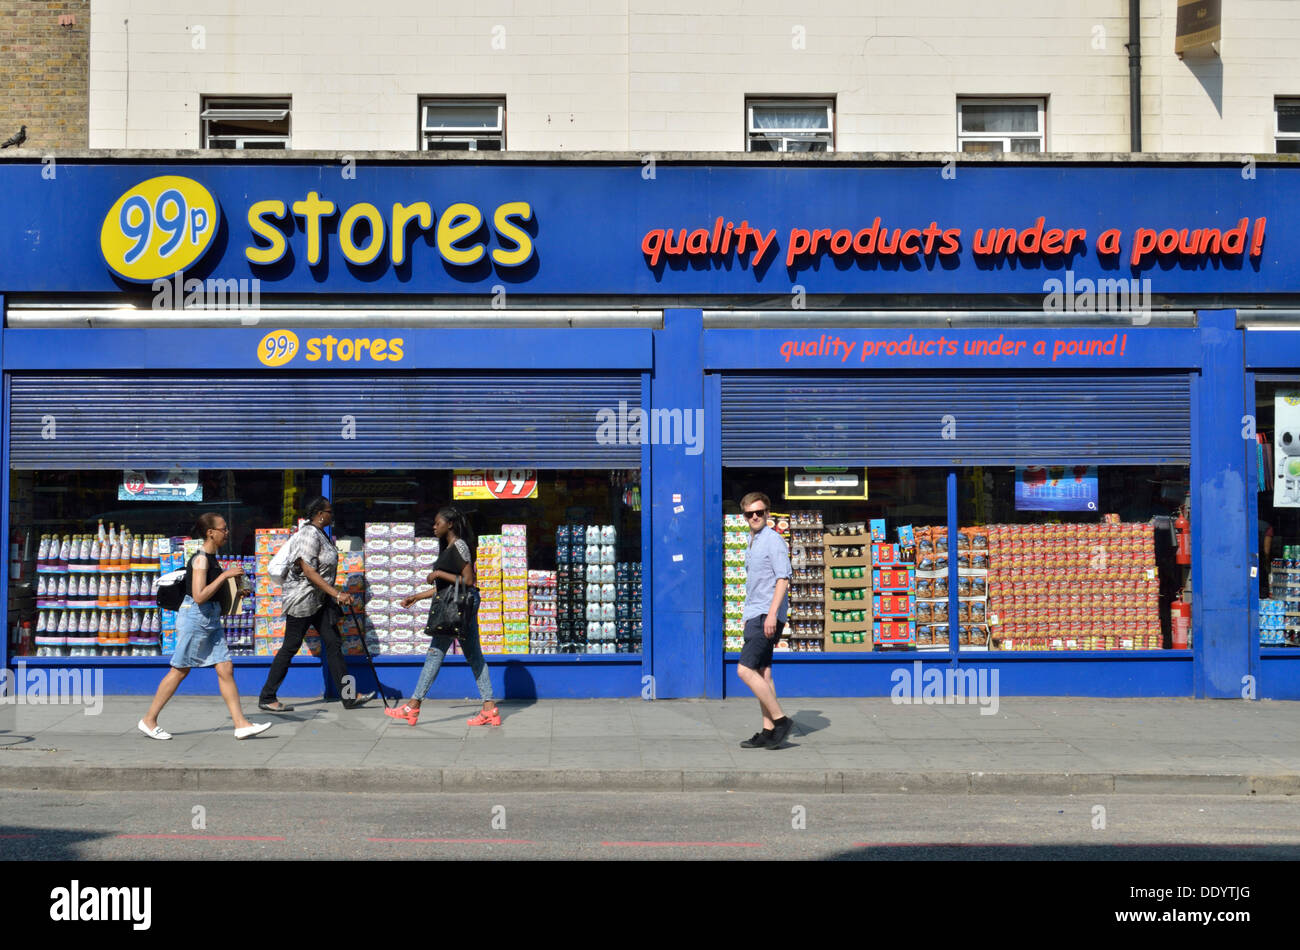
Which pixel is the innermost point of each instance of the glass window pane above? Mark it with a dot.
(1277, 533)
(469, 115)
(792, 117)
(1288, 116)
(830, 601)
(1025, 145)
(1288, 146)
(997, 117)
(982, 147)
(761, 143)
(1078, 557)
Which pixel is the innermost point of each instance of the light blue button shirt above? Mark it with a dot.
(766, 562)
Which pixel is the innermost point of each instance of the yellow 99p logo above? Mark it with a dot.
(159, 227)
(277, 347)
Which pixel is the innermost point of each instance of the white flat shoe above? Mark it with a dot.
(154, 733)
(245, 731)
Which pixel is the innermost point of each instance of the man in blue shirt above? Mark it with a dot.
(767, 582)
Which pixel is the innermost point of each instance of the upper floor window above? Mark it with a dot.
(1001, 125)
(463, 125)
(245, 122)
(790, 125)
(1287, 125)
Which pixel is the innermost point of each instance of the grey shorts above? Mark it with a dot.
(756, 654)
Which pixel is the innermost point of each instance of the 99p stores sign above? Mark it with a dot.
(282, 347)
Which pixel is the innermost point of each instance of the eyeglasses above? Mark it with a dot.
(761, 512)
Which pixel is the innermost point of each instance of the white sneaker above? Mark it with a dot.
(245, 731)
(154, 733)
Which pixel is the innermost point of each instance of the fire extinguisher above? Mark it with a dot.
(1184, 529)
(1182, 621)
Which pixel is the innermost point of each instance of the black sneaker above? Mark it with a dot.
(361, 700)
(758, 740)
(779, 732)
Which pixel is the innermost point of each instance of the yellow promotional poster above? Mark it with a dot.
(494, 484)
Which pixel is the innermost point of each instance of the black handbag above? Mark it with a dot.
(447, 612)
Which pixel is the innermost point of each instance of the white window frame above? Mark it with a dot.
(1278, 134)
(254, 108)
(470, 135)
(817, 135)
(1004, 140)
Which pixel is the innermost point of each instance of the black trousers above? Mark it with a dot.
(295, 628)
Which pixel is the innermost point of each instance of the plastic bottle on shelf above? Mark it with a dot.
(84, 557)
(99, 554)
(42, 553)
(137, 552)
(61, 559)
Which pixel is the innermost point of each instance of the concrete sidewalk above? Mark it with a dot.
(1031, 746)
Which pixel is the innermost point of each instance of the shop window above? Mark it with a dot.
(1073, 558)
(1001, 125)
(559, 555)
(849, 592)
(1277, 465)
(463, 125)
(790, 125)
(248, 123)
(89, 545)
(1286, 129)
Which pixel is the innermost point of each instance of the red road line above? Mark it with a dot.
(203, 837)
(451, 840)
(680, 844)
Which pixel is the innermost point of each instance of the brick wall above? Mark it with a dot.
(44, 72)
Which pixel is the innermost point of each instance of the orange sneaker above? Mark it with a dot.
(410, 713)
(487, 719)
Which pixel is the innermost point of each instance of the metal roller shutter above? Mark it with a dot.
(407, 421)
(777, 420)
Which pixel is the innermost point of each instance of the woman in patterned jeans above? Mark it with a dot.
(455, 562)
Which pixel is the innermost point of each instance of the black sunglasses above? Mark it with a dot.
(757, 511)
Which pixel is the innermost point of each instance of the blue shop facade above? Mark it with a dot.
(1033, 416)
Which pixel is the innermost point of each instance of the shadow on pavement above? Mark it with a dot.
(807, 721)
(1069, 852)
(19, 843)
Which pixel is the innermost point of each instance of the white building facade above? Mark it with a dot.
(705, 75)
